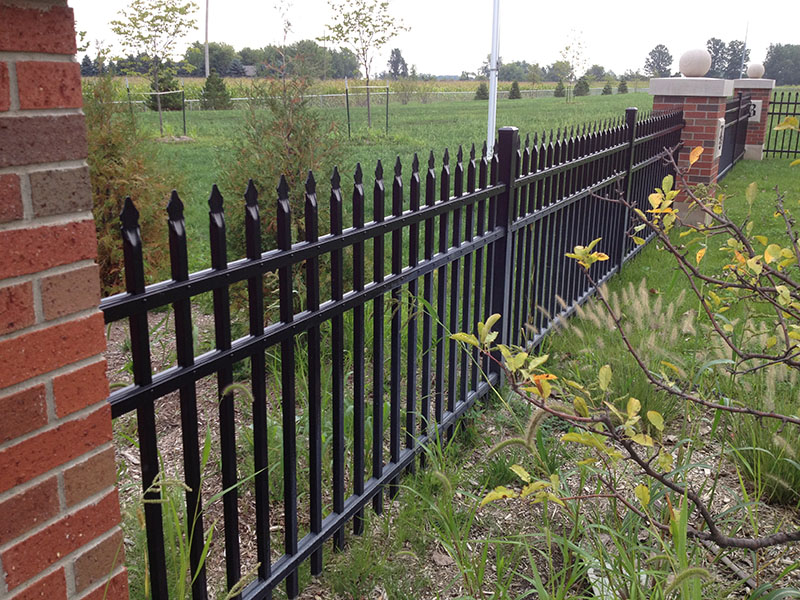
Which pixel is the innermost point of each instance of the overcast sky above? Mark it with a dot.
(450, 36)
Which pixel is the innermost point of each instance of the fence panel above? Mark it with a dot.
(786, 142)
(376, 297)
(737, 115)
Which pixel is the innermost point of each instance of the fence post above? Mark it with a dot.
(630, 121)
(500, 279)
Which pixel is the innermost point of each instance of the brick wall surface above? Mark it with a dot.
(59, 509)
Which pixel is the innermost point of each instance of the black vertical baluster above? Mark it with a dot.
(466, 291)
(478, 304)
(179, 262)
(529, 166)
(413, 290)
(441, 305)
(314, 373)
(287, 388)
(227, 417)
(337, 360)
(539, 243)
(397, 314)
(378, 195)
(427, 317)
(145, 413)
(455, 278)
(520, 202)
(358, 351)
(255, 294)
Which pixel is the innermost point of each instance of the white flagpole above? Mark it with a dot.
(490, 130)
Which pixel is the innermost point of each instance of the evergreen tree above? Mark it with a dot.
(236, 69)
(214, 95)
(514, 94)
(607, 90)
(166, 83)
(622, 88)
(582, 87)
(87, 67)
(560, 91)
(482, 93)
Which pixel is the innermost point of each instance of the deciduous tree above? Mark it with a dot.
(365, 26)
(397, 64)
(154, 28)
(783, 63)
(659, 62)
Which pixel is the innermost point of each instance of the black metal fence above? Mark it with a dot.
(364, 355)
(785, 142)
(737, 115)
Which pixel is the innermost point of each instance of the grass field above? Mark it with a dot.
(412, 128)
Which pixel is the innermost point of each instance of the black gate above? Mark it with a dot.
(737, 114)
(785, 142)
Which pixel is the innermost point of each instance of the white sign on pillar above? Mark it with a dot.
(719, 137)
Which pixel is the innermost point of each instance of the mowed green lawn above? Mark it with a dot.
(413, 128)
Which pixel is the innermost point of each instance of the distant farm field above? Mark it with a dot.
(413, 127)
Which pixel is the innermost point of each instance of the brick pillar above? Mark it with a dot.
(760, 91)
(59, 511)
(702, 100)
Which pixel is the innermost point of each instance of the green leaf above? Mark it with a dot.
(533, 488)
(666, 183)
(656, 419)
(580, 406)
(604, 377)
(643, 440)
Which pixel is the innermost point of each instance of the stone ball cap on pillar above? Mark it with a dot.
(755, 70)
(695, 63)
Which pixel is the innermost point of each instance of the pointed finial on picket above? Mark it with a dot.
(415, 164)
(472, 152)
(336, 180)
(398, 167)
(311, 184)
(175, 207)
(446, 158)
(431, 160)
(215, 199)
(379, 170)
(358, 177)
(251, 194)
(129, 217)
(460, 154)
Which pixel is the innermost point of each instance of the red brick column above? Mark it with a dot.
(59, 511)
(702, 100)
(760, 91)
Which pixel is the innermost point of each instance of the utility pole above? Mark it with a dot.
(490, 129)
(208, 72)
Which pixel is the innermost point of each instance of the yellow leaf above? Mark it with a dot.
(642, 439)
(633, 408)
(521, 473)
(587, 461)
(532, 488)
(656, 419)
(771, 341)
(694, 155)
(794, 163)
(788, 123)
(665, 460)
(497, 494)
(604, 377)
(728, 327)
(772, 252)
(655, 199)
(642, 494)
(700, 254)
(637, 240)
(580, 406)
(750, 192)
(754, 265)
(598, 256)
(466, 338)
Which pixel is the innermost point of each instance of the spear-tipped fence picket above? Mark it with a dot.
(488, 236)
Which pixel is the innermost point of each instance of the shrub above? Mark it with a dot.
(482, 93)
(582, 87)
(120, 165)
(166, 83)
(607, 90)
(280, 134)
(622, 88)
(514, 94)
(214, 95)
(560, 91)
